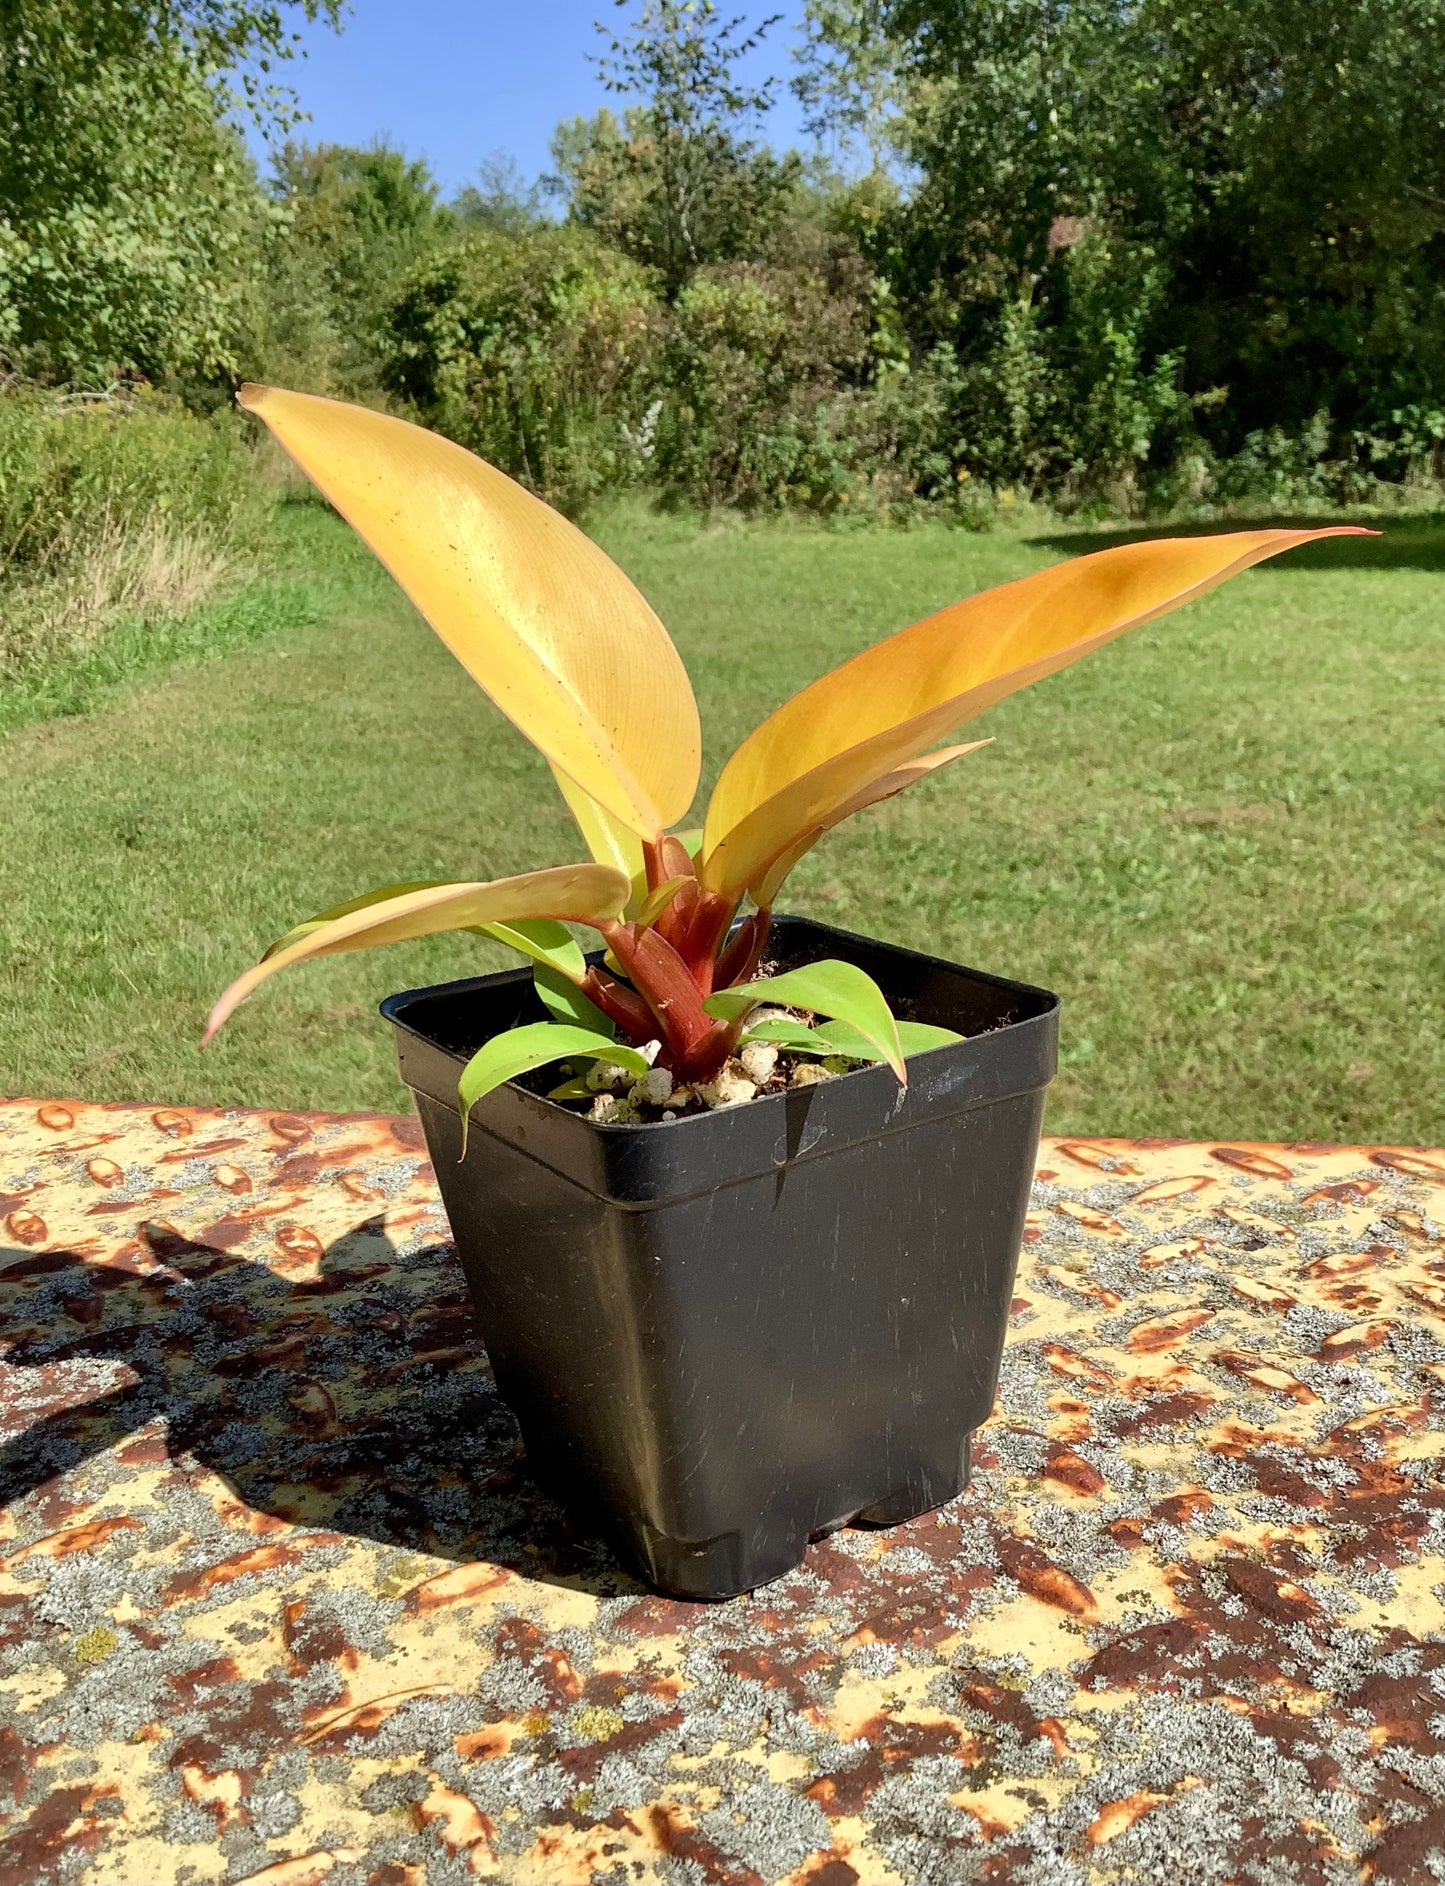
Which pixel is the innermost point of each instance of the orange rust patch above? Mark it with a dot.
(1272, 1296)
(1251, 1159)
(1091, 1219)
(1065, 1361)
(104, 1171)
(1405, 1159)
(221, 1792)
(1347, 1192)
(1349, 1342)
(27, 1228)
(1099, 1156)
(72, 1539)
(465, 1584)
(261, 1558)
(364, 1718)
(299, 1243)
(55, 1118)
(1180, 1251)
(1038, 1577)
(1163, 1190)
(1266, 1375)
(457, 1822)
(1071, 1471)
(483, 1746)
(1162, 1332)
(233, 1179)
(1117, 1817)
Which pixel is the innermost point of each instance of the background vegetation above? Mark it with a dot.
(1078, 265)
(1201, 837)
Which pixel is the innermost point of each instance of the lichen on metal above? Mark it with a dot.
(278, 1601)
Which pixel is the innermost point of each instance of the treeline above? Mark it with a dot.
(1128, 253)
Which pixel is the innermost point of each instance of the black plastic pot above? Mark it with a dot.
(727, 1334)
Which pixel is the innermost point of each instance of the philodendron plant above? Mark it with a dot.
(569, 650)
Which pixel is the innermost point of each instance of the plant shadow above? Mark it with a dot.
(356, 1399)
(1404, 543)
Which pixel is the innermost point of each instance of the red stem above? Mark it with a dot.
(744, 950)
(620, 1004)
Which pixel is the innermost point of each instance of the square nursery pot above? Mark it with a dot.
(724, 1335)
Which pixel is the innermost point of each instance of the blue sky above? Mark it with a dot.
(455, 81)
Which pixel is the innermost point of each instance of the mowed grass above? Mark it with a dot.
(1220, 840)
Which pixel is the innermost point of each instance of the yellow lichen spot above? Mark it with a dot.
(96, 1645)
(536, 1723)
(595, 1724)
(581, 1801)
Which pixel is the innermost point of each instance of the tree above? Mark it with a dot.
(1272, 180)
(675, 184)
(131, 225)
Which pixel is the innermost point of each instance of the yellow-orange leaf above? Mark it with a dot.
(607, 838)
(575, 893)
(543, 619)
(765, 889)
(869, 716)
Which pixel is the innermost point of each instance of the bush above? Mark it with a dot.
(108, 506)
(537, 349)
(755, 360)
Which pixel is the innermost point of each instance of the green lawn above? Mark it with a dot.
(1220, 840)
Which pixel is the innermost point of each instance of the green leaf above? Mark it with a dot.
(787, 1034)
(838, 1037)
(839, 990)
(544, 940)
(521, 1049)
(567, 1002)
(913, 1037)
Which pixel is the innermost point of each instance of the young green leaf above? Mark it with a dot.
(784, 1034)
(837, 1037)
(567, 1002)
(521, 1049)
(840, 1037)
(542, 940)
(832, 988)
(657, 901)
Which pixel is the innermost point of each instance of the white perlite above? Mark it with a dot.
(603, 1076)
(809, 1074)
(759, 1058)
(730, 1088)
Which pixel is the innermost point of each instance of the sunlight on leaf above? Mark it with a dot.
(567, 1002)
(538, 615)
(518, 1050)
(580, 893)
(857, 724)
(829, 988)
(542, 940)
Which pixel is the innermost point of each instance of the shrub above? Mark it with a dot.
(755, 358)
(109, 506)
(538, 349)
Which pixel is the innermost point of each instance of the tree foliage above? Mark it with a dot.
(129, 215)
(1267, 184)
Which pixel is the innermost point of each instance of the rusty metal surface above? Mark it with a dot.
(278, 1602)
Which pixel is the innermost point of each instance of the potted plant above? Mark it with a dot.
(743, 1273)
